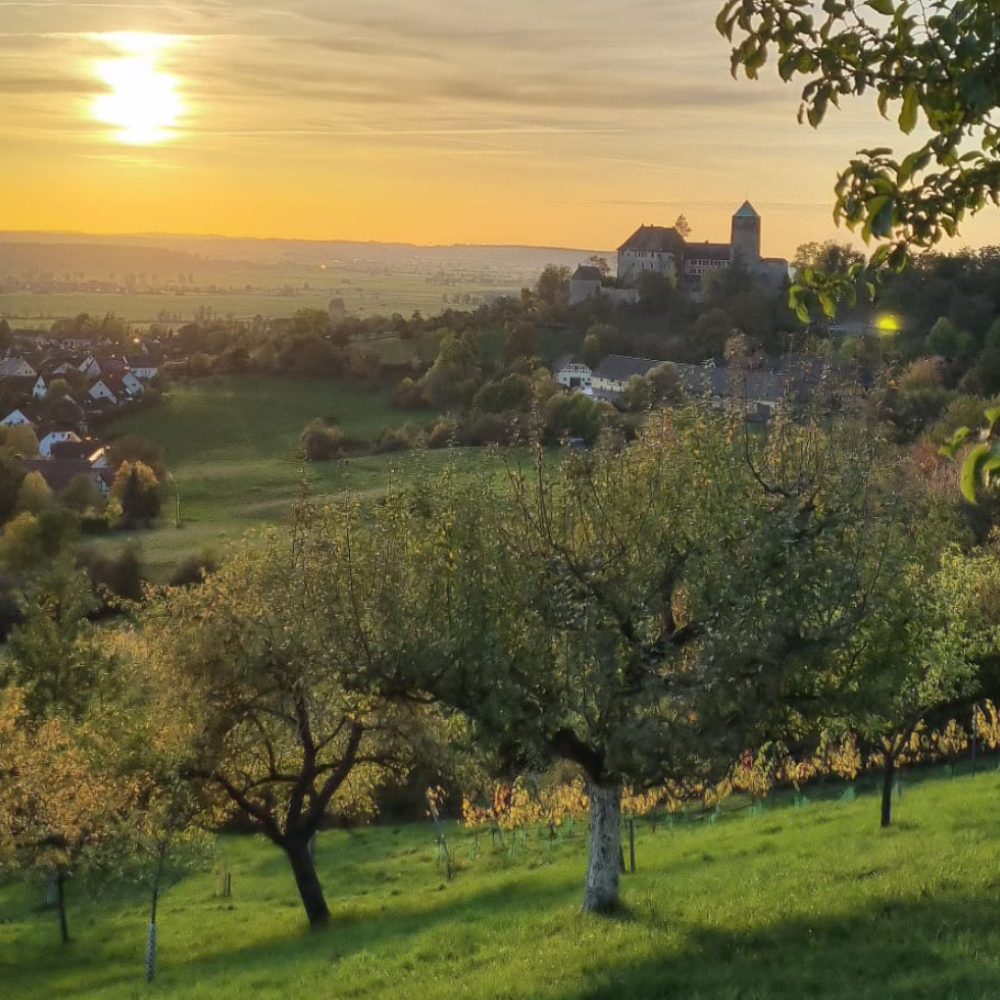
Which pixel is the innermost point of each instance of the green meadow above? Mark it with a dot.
(232, 447)
(809, 903)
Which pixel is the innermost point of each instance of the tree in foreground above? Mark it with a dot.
(650, 613)
(252, 665)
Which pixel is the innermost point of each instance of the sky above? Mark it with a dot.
(557, 123)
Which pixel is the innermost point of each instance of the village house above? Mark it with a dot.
(55, 437)
(16, 368)
(16, 418)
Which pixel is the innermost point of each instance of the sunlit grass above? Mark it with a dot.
(793, 903)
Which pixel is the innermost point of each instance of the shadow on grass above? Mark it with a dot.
(947, 949)
(279, 956)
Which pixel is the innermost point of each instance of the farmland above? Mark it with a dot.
(783, 904)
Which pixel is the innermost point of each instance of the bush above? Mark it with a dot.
(194, 570)
(396, 439)
(442, 433)
(114, 576)
(322, 443)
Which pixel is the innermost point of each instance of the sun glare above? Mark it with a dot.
(142, 102)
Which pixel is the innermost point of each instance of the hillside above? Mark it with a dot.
(232, 447)
(786, 904)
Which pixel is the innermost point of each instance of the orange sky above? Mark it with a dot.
(565, 123)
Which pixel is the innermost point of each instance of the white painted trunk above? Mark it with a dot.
(601, 892)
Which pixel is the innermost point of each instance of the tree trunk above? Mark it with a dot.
(888, 775)
(601, 890)
(307, 881)
(61, 900)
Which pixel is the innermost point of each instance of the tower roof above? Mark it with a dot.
(746, 211)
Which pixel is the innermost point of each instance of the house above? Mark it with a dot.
(132, 383)
(16, 368)
(59, 473)
(572, 374)
(45, 446)
(145, 370)
(115, 389)
(16, 418)
(40, 390)
(611, 377)
(100, 391)
(90, 367)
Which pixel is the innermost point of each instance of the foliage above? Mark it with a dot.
(136, 488)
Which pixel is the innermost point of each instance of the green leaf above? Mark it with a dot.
(911, 105)
(971, 471)
(886, 7)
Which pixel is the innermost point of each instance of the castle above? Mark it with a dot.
(665, 251)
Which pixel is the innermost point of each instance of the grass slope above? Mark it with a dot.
(232, 446)
(814, 902)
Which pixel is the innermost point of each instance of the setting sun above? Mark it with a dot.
(143, 103)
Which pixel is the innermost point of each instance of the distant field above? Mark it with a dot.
(363, 294)
(232, 446)
(811, 903)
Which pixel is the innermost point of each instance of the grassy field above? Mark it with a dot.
(232, 447)
(811, 903)
(363, 295)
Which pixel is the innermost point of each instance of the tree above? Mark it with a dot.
(254, 661)
(601, 263)
(137, 490)
(552, 286)
(137, 449)
(19, 442)
(648, 613)
(54, 656)
(58, 805)
(931, 65)
(34, 496)
(81, 495)
(455, 374)
(919, 653)
(683, 226)
(5, 335)
(521, 342)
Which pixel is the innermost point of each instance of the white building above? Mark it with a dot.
(56, 437)
(572, 374)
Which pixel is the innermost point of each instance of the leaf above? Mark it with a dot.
(886, 7)
(911, 105)
(971, 471)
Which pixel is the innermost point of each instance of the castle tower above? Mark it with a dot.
(746, 234)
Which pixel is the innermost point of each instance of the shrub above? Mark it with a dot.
(194, 570)
(114, 576)
(322, 443)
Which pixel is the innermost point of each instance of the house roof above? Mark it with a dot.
(587, 272)
(563, 362)
(746, 211)
(655, 239)
(9, 367)
(619, 368)
(708, 251)
(73, 450)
